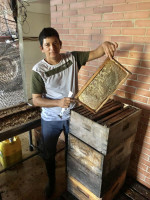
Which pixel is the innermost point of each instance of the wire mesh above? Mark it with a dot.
(7, 21)
(11, 80)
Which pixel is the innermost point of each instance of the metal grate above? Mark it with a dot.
(11, 82)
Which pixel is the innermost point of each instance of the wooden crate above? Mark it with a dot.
(94, 170)
(82, 193)
(99, 150)
(104, 138)
(105, 81)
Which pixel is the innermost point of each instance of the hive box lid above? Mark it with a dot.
(105, 81)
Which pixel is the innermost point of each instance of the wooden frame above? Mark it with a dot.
(104, 82)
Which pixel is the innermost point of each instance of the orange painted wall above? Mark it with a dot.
(83, 25)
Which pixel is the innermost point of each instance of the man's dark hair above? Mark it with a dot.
(47, 32)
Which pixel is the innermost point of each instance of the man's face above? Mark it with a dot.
(51, 47)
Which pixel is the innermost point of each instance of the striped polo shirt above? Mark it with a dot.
(55, 81)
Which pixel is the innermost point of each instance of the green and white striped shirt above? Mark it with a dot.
(55, 81)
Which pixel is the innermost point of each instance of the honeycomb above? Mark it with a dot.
(102, 85)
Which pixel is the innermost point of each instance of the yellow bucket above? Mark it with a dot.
(10, 151)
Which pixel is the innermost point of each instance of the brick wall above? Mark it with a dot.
(83, 24)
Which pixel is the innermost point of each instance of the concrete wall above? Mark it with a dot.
(38, 17)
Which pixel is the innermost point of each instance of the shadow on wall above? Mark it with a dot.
(136, 160)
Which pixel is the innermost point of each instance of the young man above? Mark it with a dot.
(52, 80)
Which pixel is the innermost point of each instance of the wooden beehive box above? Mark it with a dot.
(99, 153)
(102, 137)
(80, 192)
(94, 170)
(105, 81)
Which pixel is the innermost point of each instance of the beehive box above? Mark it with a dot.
(100, 145)
(94, 170)
(105, 81)
(80, 192)
(105, 130)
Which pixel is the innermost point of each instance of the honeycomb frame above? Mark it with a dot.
(102, 85)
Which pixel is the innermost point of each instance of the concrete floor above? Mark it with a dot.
(27, 180)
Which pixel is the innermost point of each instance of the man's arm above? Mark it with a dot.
(107, 48)
(38, 100)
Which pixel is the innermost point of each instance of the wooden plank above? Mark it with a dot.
(123, 130)
(14, 109)
(118, 155)
(81, 109)
(79, 190)
(67, 196)
(115, 187)
(134, 194)
(82, 193)
(109, 103)
(89, 132)
(92, 169)
(101, 137)
(83, 153)
(105, 109)
(97, 184)
(86, 113)
(90, 180)
(120, 116)
(138, 187)
(121, 197)
(95, 161)
(112, 176)
(20, 129)
(102, 121)
(106, 112)
(77, 108)
(129, 183)
(19, 118)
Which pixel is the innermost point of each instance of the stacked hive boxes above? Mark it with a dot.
(98, 155)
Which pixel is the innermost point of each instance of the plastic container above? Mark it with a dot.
(10, 151)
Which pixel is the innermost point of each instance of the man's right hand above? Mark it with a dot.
(65, 102)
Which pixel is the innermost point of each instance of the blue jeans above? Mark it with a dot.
(50, 133)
